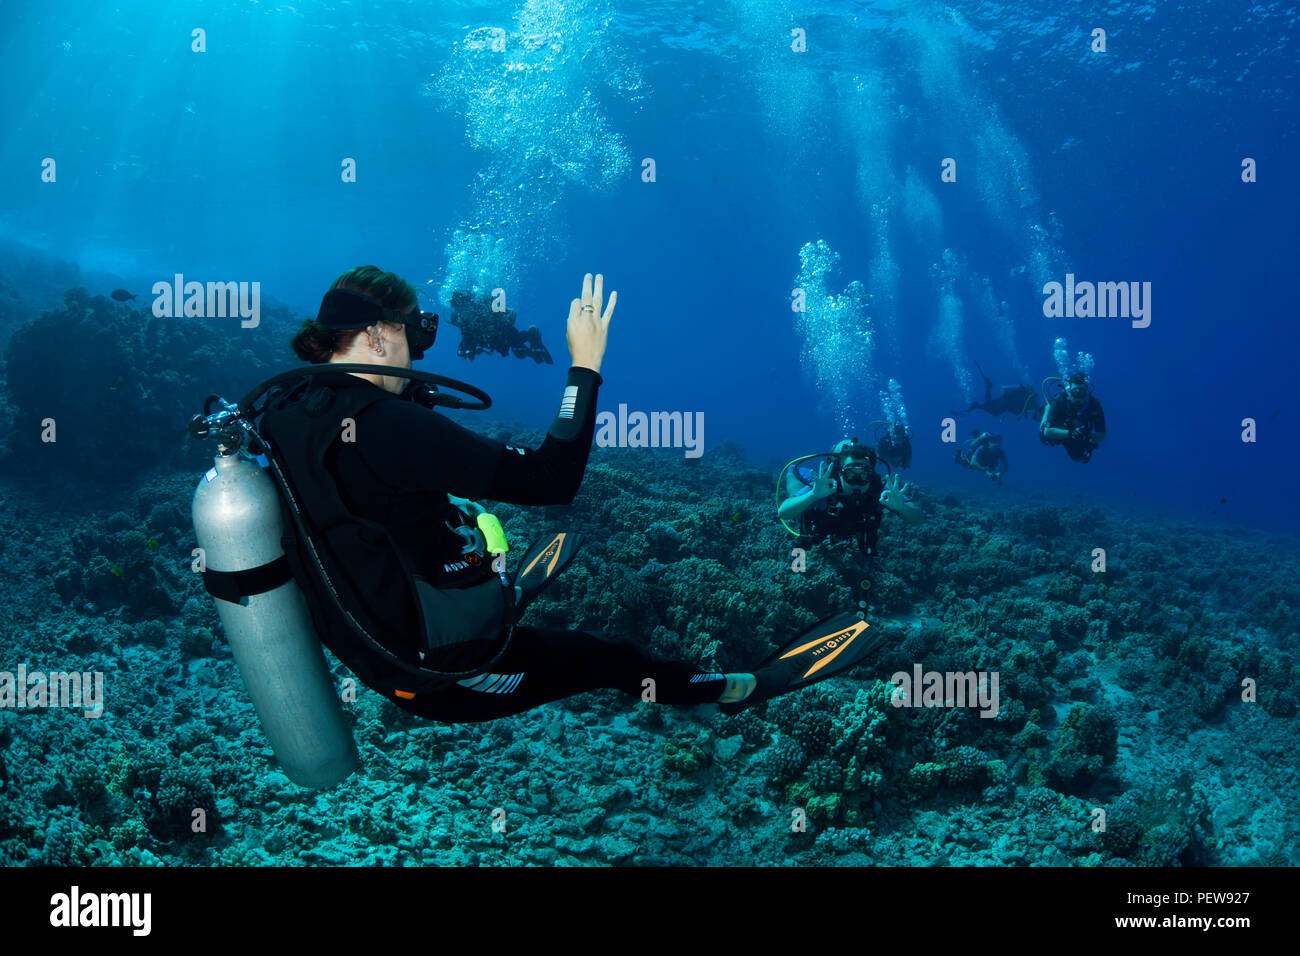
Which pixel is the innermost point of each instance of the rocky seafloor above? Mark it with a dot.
(1147, 714)
(1119, 690)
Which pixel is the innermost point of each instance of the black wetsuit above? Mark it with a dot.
(990, 457)
(897, 451)
(397, 472)
(1060, 415)
(847, 515)
(985, 454)
(1019, 400)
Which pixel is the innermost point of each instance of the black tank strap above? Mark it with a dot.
(233, 586)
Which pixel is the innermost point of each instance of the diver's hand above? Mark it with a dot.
(894, 497)
(1079, 433)
(896, 490)
(588, 326)
(823, 485)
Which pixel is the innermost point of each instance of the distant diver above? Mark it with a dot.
(894, 444)
(485, 330)
(1018, 400)
(984, 453)
(1073, 417)
(845, 499)
(404, 574)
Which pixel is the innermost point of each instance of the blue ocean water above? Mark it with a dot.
(912, 174)
(1123, 165)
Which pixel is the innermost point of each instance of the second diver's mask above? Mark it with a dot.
(1077, 390)
(855, 465)
(345, 309)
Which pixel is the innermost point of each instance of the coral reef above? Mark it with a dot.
(1161, 692)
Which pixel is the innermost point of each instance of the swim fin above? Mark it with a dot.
(544, 561)
(824, 650)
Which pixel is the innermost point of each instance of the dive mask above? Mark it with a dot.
(345, 309)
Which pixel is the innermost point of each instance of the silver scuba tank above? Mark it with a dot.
(237, 521)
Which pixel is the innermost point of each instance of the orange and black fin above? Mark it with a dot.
(544, 561)
(824, 650)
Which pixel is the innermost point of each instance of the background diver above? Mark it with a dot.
(418, 612)
(845, 499)
(894, 447)
(485, 330)
(1074, 418)
(984, 453)
(1018, 400)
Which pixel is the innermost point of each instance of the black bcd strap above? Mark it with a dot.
(233, 586)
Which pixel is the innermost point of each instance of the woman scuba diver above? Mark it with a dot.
(404, 572)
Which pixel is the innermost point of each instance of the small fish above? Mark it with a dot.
(1223, 501)
(121, 295)
(736, 516)
(116, 570)
(153, 545)
(1276, 412)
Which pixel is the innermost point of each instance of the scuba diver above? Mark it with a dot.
(403, 571)
(844, 499)
(1018, 400)
(1074, 418)
(483, 330)
(984, 453)
(894, 446)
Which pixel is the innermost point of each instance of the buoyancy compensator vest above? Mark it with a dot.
(261, 553)
(436, 605)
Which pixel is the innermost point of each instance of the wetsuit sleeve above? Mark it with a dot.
(551, 474)
(415, 449)
(1098, 418)
(1049, 413)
